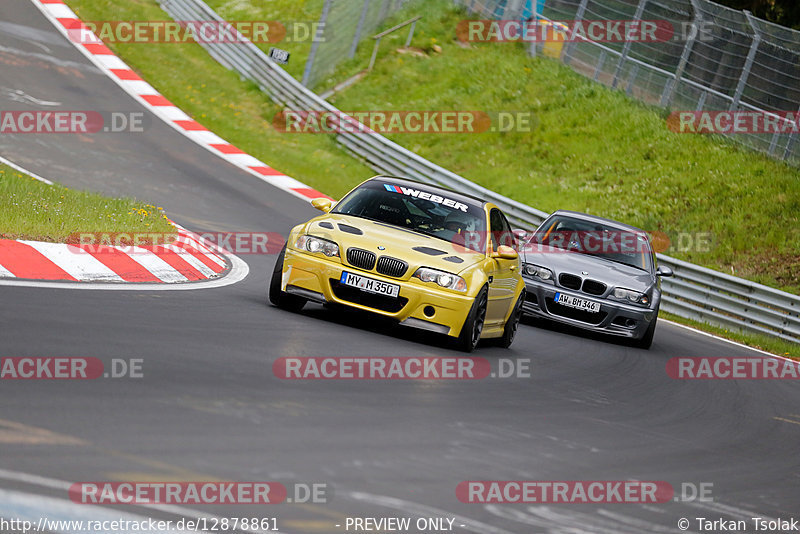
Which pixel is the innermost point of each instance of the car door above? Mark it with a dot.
(502, 281)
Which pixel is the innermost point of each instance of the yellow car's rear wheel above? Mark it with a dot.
(510, 330)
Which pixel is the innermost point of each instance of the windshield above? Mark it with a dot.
(426, 212)
(596, 239)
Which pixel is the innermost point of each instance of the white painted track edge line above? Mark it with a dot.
(22, 170)
(726, 340)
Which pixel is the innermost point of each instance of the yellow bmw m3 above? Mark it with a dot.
(425, 256)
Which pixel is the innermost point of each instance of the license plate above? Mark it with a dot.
(577, 303)
(369, 284)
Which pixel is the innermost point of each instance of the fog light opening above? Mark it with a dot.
(429, 311)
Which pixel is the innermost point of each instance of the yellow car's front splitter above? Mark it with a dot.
(418, 304)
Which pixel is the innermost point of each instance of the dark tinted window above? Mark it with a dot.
(427, 211)
(596, 239)
(501, 230)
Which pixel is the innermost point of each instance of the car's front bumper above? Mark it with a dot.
(419, 304)
(614, 318)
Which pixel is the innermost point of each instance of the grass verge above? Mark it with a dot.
(34, 210)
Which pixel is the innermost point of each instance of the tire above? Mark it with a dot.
(510, 330)
(280, 298)
(646, 340)
(473, 325)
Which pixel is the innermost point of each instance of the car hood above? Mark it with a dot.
(610, 273)
(418, 250)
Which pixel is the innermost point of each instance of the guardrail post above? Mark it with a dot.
(672, 85)
(748, 64)
(792, 137)
(374, 53)
(701, 102)
(634, 73)
(323, 20)
(626, 48)
(579, 14)
(773, 143)
(411, 34)
(600, 62)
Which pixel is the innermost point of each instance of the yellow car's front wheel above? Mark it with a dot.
(277, 296)
(473, 325)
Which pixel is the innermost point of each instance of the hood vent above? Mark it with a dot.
(429, 251)
(350, 229)
(454, 259)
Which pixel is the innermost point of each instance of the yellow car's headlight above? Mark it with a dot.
(442, 278)
(317, 245)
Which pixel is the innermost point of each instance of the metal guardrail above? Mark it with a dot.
(694, 292)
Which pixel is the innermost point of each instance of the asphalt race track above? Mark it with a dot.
(209, 407)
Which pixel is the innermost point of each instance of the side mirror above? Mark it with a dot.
(520, 234)
(664, 271)
(505, 252)
(322, 204)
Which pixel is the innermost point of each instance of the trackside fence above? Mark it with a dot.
(694, 292)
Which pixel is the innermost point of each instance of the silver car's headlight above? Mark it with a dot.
(631, 295)
(538, 271)
(442, 278)
(317, 245)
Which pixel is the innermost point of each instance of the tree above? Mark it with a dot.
(783, 12)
